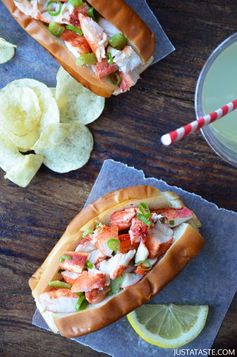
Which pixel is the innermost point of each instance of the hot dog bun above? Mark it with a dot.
(118, 13)
(188, 243)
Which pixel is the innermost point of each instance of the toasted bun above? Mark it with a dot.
(188, 243)
(141, 37)
(129, 23)
(60, 52)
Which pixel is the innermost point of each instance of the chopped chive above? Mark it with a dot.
(81, 303)
(143, 205)
(50, 10)
(87, 232)
(75, 29)
(172, 222)
(144, 214)
(114, 244)
(86, 59)
(76, 3)
(143, 219)
(56, 29)
(147, 215)
(118, 41)
(146, 263)
(65, 257)
(59, 284)
(144, 209)
(91, 13)
(89, 265)
(110, 58)
(115, 285)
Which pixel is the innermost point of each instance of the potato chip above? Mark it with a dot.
(53, 91)
(24, 143)
(9, 155)
(20, 110)
(7, 51)
(65, 147)
(48, 105)
(22, 173)
(76, 103)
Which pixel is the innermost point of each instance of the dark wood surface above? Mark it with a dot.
(31, 220)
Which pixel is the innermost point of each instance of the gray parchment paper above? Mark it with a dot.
(210, 278)
(32, 61)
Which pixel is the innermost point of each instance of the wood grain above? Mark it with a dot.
(31, 220)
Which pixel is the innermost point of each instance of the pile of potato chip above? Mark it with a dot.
(42, 125)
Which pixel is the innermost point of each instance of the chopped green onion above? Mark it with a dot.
(145, 214)
(89, 265)
(81, 303)
(65, 257)
(76, 3)
(54, 12)
(143, 205)
(143, 219)
(93, 14)
(97, 224)
(110, 58)
(146, 263)
(118, 41)
(86, 58)
(144, 209)
(87, 232)
(59, 284)
(75, 29)
(90, 12)
(56, 29)
(114, 244)
(172, 222)
(115, 285)
(115, 79)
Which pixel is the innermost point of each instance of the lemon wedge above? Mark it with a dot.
(168, 326)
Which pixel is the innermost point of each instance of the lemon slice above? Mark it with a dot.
(168, 326)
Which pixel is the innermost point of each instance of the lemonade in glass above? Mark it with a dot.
(217, 85)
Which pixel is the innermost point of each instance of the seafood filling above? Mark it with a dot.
(93, 40)
(111, 257)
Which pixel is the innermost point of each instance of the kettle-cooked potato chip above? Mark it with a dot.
(9, 155)
(7, 51)
(24, 143)
(77, 103)
(30, 120)
(53, 91)
(65, 147)
(20, 110)
(19, 168)
(48, 105)
(22, 173)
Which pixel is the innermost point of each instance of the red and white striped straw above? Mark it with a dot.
(190, 128)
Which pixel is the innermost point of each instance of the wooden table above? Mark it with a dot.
(32, 219)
